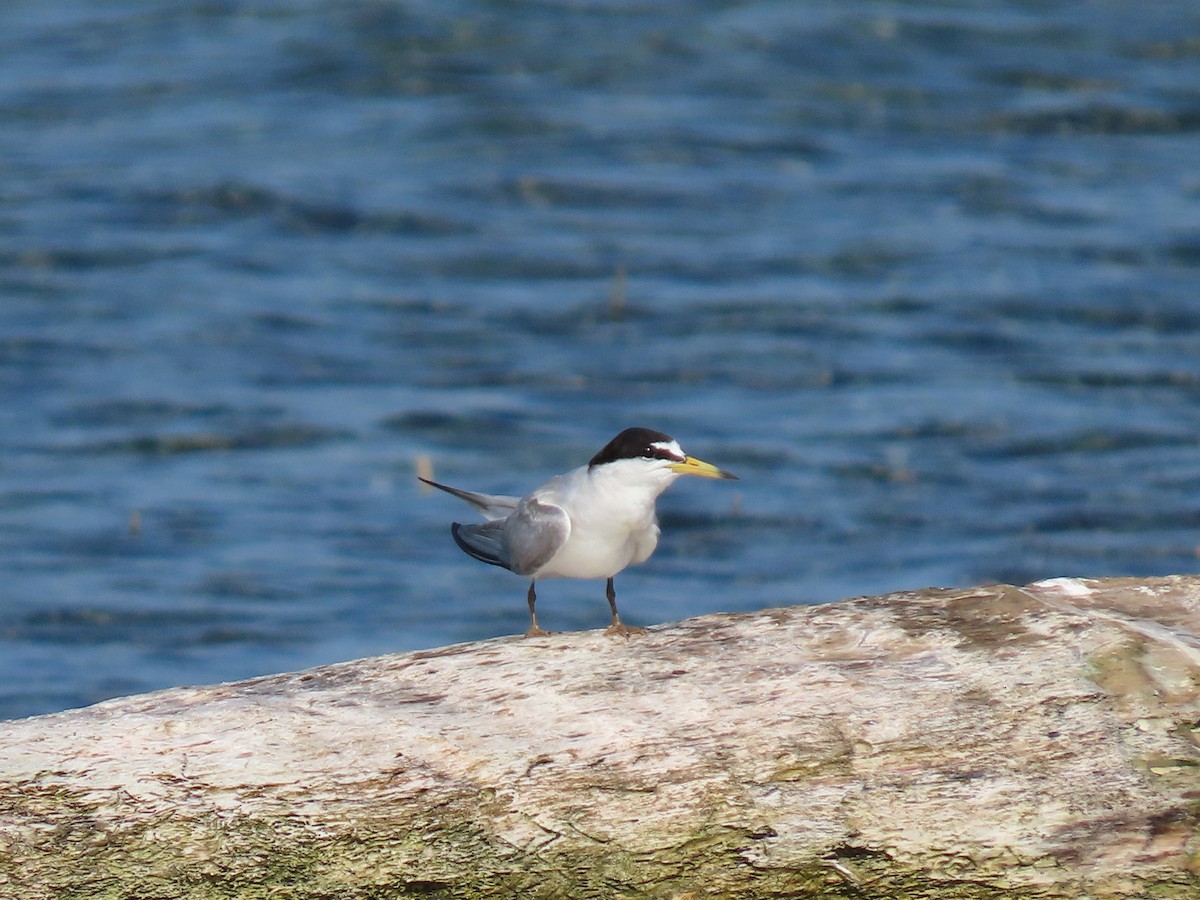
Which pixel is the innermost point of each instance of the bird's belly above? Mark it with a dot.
(600, 555)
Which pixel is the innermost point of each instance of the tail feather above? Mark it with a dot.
(484, 542)
(493, 506)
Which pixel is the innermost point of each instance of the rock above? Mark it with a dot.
(997, 742)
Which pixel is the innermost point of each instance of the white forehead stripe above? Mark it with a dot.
(671, 448)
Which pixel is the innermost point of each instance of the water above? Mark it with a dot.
(923, 274)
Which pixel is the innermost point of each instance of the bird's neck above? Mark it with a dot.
(631, 483)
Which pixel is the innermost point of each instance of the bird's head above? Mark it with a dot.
(655, 454)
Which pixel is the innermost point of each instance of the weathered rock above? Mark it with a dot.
(995, 742)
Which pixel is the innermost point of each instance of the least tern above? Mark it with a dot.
(592, 522)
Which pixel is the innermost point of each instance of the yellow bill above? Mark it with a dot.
(693, 466)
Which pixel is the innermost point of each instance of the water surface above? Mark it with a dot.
(923, 274)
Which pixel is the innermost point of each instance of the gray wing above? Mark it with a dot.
(533, 533)
(493, 506)
(484, 542)
(522, 543)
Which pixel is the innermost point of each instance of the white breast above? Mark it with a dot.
(613, 520)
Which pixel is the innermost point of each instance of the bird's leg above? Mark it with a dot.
(533, 631)
(617, 626)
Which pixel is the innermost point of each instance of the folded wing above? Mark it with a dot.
(534, 533)
(523, 542)
(484, 542)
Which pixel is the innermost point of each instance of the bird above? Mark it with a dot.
(591, 522)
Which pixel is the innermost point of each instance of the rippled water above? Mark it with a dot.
(923, 274)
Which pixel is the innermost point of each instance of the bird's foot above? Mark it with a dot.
(622, 630)
(534, 631)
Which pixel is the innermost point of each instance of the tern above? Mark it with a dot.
(591, 522)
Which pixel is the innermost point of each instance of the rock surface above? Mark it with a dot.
(994, 742)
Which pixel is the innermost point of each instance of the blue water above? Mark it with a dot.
(924, 274)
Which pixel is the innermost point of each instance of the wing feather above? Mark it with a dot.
(521, 535)
(534, 533)
(484, 542)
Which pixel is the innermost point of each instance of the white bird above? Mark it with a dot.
(592, 522)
